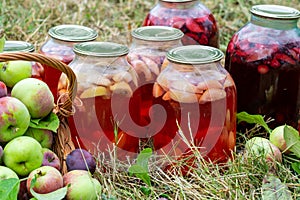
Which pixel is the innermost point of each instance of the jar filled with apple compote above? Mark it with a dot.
(104, 106)
(147, 55)
(59, 44)
(263, 58)
(12, 46)
(193, 18)
(199, 98)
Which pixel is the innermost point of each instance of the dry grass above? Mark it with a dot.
(114, 19)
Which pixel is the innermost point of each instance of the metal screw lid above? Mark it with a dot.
(101, 49)
(157, 33)
(275, 11)
(195, 54)
(18, 46)
(73, 33)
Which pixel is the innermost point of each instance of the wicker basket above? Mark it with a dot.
(63, 144)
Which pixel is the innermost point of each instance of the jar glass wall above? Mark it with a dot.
(193, 18)
(263, 58)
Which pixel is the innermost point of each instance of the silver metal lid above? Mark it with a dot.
(101, 49)
(157, 33)
(275, 11)
(18, 46)
(73, 33)
(195, 54)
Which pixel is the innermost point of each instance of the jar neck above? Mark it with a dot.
(178, 5)
(282, 24)
(185, 67)
(159, 45)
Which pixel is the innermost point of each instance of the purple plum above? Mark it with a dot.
(75, 160)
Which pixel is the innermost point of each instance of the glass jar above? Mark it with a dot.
(199, 99)
(147, 55)
(190, 16)
(59, 45)
(104, 107)
(263, 59)
(22, 46)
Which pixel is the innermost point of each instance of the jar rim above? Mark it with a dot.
(101, 49)
(157, 33)
(18, 46)
(73, 33)
(275, 11)
(195, 54)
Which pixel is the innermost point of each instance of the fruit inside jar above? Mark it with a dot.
(59, 45)
(263, 58)
(205, 118)
(201, 102)
(193, 18)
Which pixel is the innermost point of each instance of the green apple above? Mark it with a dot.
(23, 154)
(36, 95)
(12, 72)
(14, 118)
(6, 173)
(262, 147)
(48, 179)
(81, 185)
(277, 137)
(43, 136)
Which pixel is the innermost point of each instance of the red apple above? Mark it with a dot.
(48, 179)
(3, 89)
(50, 159)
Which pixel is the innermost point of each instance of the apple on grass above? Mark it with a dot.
(277, 137)
(48, 179)
(23, 154)
(260, 146)
(81, 185)
(12, 72)
(50, 159)
(80, 159)
(43, 136)
(14, 118)
(36, 95)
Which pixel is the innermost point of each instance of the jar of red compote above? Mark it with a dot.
(263, 58)
(147, 55)
(22, 46)
(104, 104)
(199, 99)
(59, 44)
(193, 18)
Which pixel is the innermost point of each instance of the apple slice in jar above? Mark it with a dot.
(94, 91)
(212, 94)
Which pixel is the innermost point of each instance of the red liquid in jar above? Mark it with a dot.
(94, 124)
(211, 125)
(63, 53)
(266, 73)
(201, 30)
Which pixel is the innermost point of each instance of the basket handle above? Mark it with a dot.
(66, 106)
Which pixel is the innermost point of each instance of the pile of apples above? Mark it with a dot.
(25, 146)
